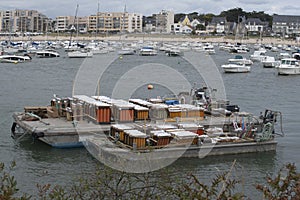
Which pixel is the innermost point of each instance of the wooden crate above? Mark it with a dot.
(158, 111)
(141, 113)
(135, 137)
(184, 137)
(161, 137)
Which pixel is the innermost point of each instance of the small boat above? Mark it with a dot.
(148, 51)
(288, 66)
(80, 54)
(258, 55)
(14, 58)
(269, 62)
(239, 59)
(174, 52)
(47, 54)
(126, 51)
(284, 55)
(236, 68)
(209, 49)
(239, 49)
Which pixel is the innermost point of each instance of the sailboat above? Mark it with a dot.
(78, 52)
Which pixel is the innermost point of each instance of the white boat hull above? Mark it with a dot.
(231, 68)
(288, 70)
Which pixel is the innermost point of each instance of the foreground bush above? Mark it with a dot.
(109, 184)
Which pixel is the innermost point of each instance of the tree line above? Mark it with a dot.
(231, 15)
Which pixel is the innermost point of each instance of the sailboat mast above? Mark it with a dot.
(97, 18)
(73, 24)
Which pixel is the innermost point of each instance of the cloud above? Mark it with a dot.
(255, 2)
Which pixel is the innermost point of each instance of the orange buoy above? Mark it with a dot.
(150, 87)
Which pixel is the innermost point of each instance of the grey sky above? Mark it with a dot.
(53, 8)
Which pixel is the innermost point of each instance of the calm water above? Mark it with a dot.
(34, 83)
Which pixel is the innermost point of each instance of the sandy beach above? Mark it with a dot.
(156, 38)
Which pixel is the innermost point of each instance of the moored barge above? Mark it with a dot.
(109, 128)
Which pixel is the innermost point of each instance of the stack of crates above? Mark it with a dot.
(118, 129)
(92, 109)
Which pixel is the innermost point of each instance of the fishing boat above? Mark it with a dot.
(236, 68)
(14, 58)
(288, 66)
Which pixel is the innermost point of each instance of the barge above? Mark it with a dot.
(139, 130)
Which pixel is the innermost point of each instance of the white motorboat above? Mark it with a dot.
(238, 59)
(147, 51)
(80, 54)
(14, 58)
(269, 62)
(236, 68)
(47, 54)
(288, 66)
(126, 51)
(258, 55)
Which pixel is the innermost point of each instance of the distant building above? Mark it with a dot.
(186, 25)
(23, 21)
(286, 25)
(115, 22)
(149, 23)
(218, 25)
(255, 26)
(161, 22)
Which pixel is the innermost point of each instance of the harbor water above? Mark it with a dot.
(35, 82)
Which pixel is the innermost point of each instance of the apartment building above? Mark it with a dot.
(115, 22)
(24, 21)
(71, 23)
(162, 22)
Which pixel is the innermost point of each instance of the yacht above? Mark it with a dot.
(288, 66)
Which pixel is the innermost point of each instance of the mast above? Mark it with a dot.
(73, 25)
(97, 18)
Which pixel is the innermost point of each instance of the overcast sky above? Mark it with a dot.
(53, 8)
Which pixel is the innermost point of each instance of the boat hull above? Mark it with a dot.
(235, 68)
(288, 70)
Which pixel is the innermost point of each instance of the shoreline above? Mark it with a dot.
(155, 38)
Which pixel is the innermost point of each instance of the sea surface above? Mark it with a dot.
(35, 82)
